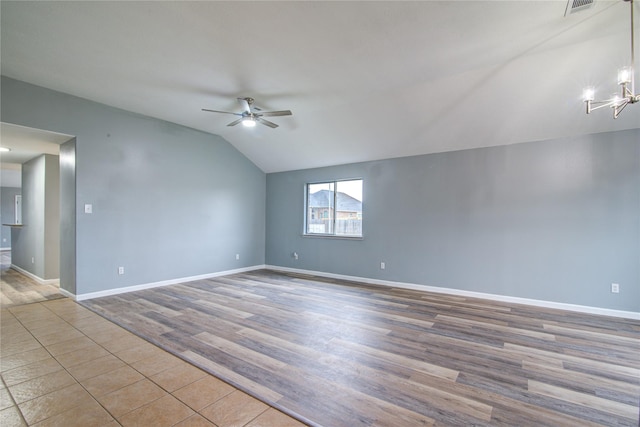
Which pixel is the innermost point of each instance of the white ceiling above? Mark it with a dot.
(365, 80)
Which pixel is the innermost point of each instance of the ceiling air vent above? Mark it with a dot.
(574, 6)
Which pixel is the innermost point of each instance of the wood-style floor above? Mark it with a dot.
(334, 353)
(17, 289)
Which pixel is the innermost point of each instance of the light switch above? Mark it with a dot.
(88, 208)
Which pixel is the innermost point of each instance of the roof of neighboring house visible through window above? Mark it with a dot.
(324, 199)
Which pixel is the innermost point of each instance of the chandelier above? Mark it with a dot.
(627, 93)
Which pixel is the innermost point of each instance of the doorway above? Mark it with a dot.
(37, 209)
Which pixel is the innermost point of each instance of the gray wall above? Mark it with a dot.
(7, 213)
(35, 245)
(52, 217)
(68, 216)
(27, 242)
(554, 220)
(168, 201)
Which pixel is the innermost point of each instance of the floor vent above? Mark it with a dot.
(574, 6)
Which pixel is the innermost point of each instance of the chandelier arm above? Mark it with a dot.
(618, 108)
(599, 104)
(627, 93)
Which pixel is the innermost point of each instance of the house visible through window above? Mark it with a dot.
(334, 208)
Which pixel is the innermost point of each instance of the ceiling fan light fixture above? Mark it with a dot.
(248, 122)
(249, 117)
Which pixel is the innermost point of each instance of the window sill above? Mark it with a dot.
(332, 236)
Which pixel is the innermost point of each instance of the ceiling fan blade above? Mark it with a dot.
(244, 103)
(276, 113)
(235, 122)
(266, 122)
(218, 111)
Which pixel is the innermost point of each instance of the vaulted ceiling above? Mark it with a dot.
(365, 80)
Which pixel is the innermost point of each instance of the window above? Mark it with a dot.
(334, 208)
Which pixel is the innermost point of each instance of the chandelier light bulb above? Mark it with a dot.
(588, 94)
(624, 75)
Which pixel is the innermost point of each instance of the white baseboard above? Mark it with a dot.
(40, 280)
(109, 292)
(458, 292)
(68, 294)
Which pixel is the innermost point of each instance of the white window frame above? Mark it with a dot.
(333, 235)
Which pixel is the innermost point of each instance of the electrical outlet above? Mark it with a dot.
(295, 255)
(383, 266)
(237, 256)
(88, 208)
(33, 260)
(120, 270)
(615, 288)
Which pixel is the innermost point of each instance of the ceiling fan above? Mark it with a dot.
(252, 115)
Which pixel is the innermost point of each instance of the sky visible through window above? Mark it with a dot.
(352, 188)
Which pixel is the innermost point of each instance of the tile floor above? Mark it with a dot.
(18, 289)
(63, 365)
